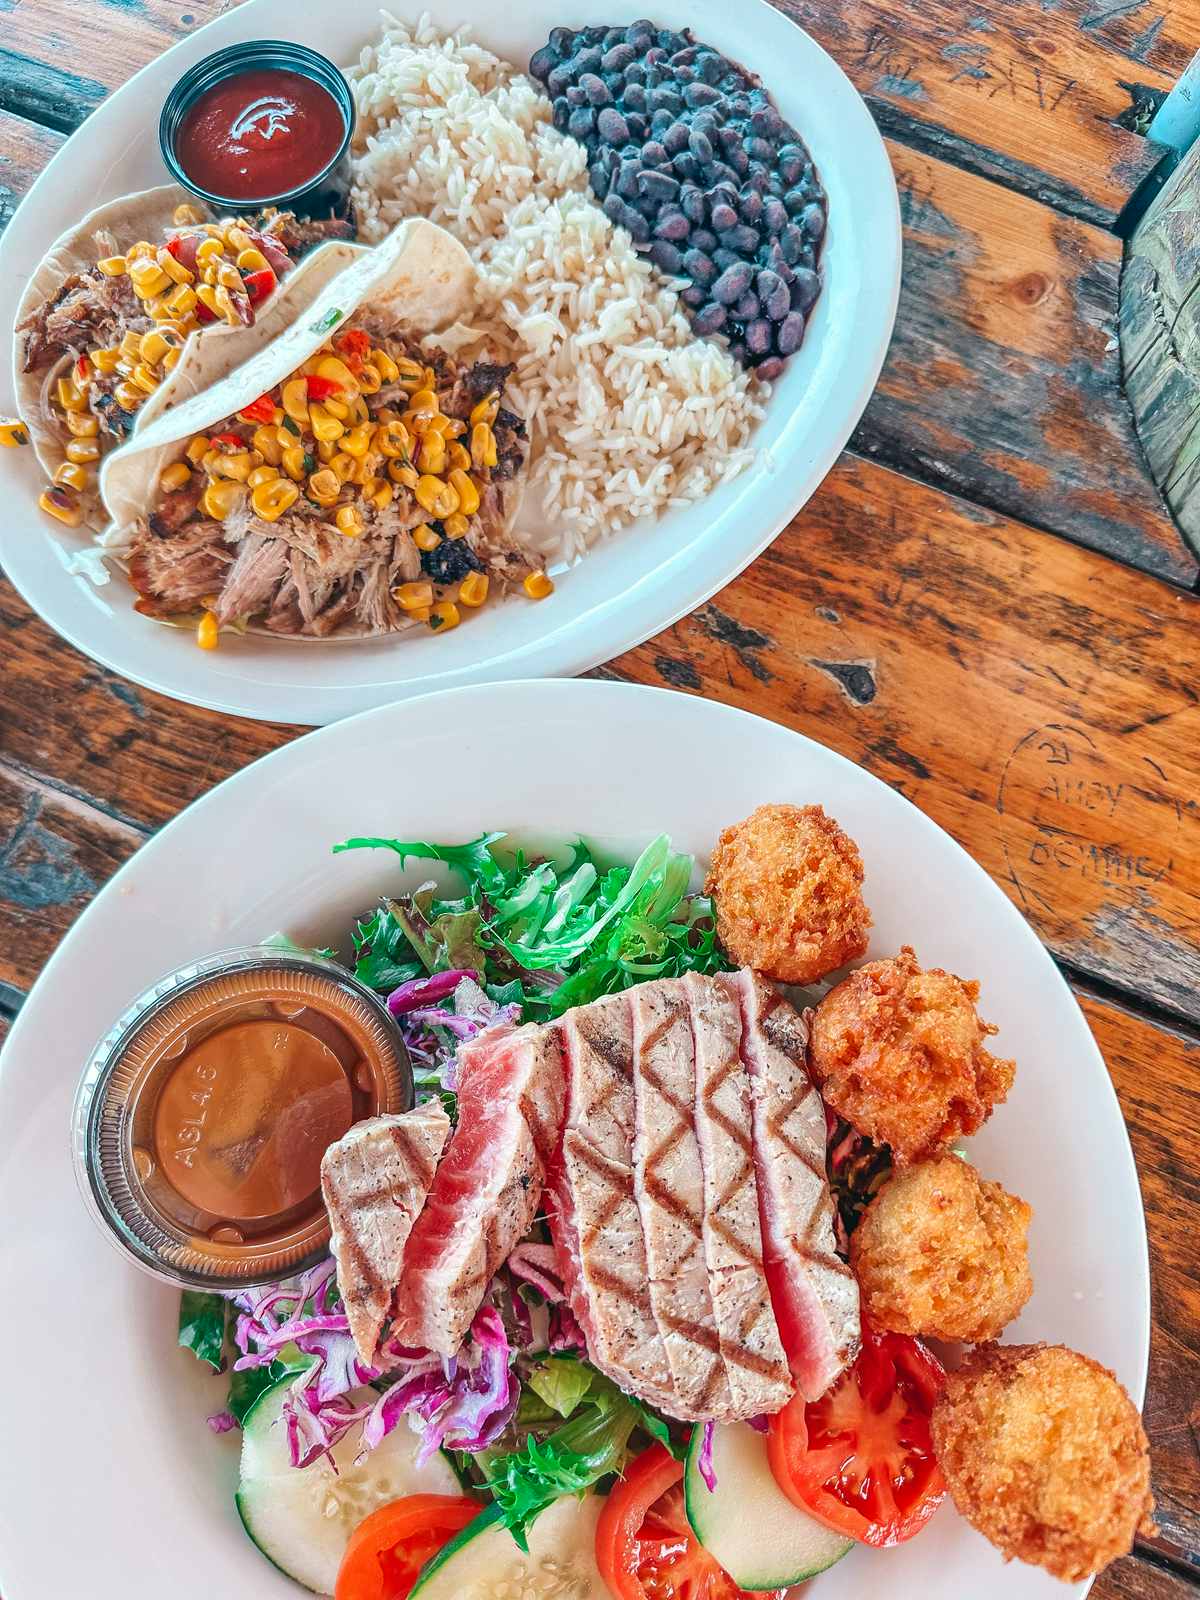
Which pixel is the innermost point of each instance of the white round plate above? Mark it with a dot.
(632, 586)
(105, 1418)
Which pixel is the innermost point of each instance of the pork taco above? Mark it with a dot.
(145, 302)
(358, 475)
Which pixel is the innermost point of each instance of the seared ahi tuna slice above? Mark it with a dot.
(594, 1214)
(813, 1290)
(374, 1181)
(487, 1189)
(759, 1379)
(669, 1184)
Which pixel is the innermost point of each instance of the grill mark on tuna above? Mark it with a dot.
(609, 1048)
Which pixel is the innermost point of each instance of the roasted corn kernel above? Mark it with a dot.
(348, 521)
(71, 475)
(145, 377)
(148, 279)
(128, 396)
(467, 491)
(208, 250)
(228, 276)
(154, 347)
(431, 454)
(262, 475)
(342, 466)
(426, 538)
(537, 586)
(409, 373)
(337, 408)
(197, 449)
(175, 270)
(326, 450)
(208, 631)
(265, 440)
(483, 445)
(113, 266)
(335, 370)
(83, 424)
(294, 398)
(182, 301)
(472, 591)
(400, 472)
(12, 432)
(392, 440)
(438, 498)
(445, 616)
(458, 457)
(207, 297)
(237, 466)
(293, 462)
(369, 379)
(236, 237)
(411, 596)
(170, 360)
(61, 503)
(82, 450)
(424, 401)
(105, 359)
(184, 216)
(324, 486)
(357, 441)
(271, 500)
(384, 366)
(220, 497)
(174, 477)
(380, 493)
(252, 259)
(70, 397)
(226, 307)
(324, 426)
(455, 525)
(487, 409)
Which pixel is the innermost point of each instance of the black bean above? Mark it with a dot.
(693, 295)
(581, 122)
(657, 185)
(747, 308)
(760, 150)
(635, 72)
(710, 318)
(614, 82)
(655, 56)
(640, 33)
(805, 289)
(669, 42)
(726, 258)
(562, 40)
(692, 201)
(614, 207)
(685, 166)
(562, 112)
(769, 369)
(733, 283)
(700, 94)
(638, 225)
(721, 172)
(543, 62)
(758, 337)
(654, 154)
(575, 95)
(588, 60)
(608, 159)
(638, 124)
(597, 91)
(766, 122)
(617, 56)
(723, 216)
(703, 239)
(633, 97)
(707, 122)
(759, 180)
(742, 238)
(659, 123)
(666, 257)
(739, 161)
(698, 266)
(791, 242)
(789, 333)
(790, 168)
(677, 138)
(627, 184)
(685, 57)
(775, 217)
(672, 225)
(612, 126)
(773, 293)
(684, 75)
(560, 77)
(750, 206)
(652, 77)
(588, 36)
(600, 180)
(665, 98)
(700, 145)
(709, 67)
(731, 82)
(795, 200)
(812, 220)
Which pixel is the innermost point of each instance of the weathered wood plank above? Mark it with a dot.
(1157, 1076)
(25, 149)
(1135, 1579)
(1035, 699)
(1003, 381)
(1042, 98)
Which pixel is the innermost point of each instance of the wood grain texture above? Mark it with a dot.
(1157, 1075)
(25, 149)
(1134, 1579)
(1038, 97)
(1003, 382)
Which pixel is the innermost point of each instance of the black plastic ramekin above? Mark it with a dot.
(324, 195)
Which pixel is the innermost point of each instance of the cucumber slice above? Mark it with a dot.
(761, 1539)
(302, 1518)
(484, 1563)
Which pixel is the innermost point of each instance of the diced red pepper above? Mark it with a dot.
(203, 314)
(227, 441)
(260, 410)
(354, 347)
(259, 284)
(321, 388)
(83, 369)
(175, 245)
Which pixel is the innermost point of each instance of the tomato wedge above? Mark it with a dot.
(387, 1550)
(860, 1459)
(645, 1546)
(259, 284)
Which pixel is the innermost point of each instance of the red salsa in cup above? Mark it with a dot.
(259, 133)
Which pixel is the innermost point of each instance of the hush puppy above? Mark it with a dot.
(786, 885)
(1044, 1453)
(942, 1254)
(899, 1053)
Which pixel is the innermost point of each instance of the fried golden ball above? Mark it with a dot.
(899, 1053)
(942, 1254)
(1044, 1453)
(787, 888)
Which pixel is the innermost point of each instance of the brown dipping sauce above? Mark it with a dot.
(220, 1101)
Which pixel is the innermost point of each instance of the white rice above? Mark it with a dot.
(629, 412)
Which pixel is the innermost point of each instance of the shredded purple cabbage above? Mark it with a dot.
(420, 1008)
(565, 1333)
(419, 992)
(222, 1421)
(705, 1459)
(759, 1424)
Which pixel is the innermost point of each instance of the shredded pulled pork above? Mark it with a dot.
(88, 309)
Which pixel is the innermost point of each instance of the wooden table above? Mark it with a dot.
(986, 604)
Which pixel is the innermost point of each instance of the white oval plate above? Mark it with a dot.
(635, 584)
(105, 1418)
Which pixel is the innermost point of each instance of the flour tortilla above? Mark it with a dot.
(419, 277)
(209, 354)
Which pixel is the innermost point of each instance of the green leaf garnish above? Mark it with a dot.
(202, 1326)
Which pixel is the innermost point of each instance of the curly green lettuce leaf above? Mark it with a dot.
(562, 1382)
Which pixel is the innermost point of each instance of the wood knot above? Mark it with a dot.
(1032, 289)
